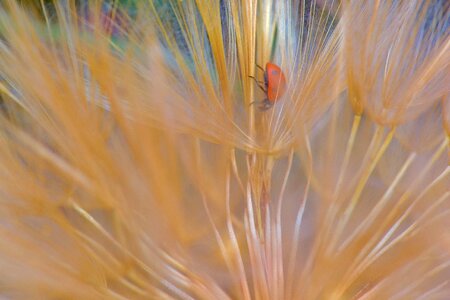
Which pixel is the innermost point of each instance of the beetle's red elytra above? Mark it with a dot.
(274, 85)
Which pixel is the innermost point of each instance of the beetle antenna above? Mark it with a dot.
(261, 68)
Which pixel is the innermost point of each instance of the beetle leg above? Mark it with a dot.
(261, 68)
(265, 105)
(259, 84)
(257, 102)
(257, 81)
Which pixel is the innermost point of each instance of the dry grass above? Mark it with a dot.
(139, 170)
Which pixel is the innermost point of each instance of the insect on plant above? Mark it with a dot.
(274, 85)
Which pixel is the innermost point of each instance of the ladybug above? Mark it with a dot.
(274, 85)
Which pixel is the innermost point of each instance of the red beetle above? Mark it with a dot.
(274, 85)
